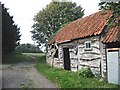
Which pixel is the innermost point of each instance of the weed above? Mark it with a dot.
(85, 72)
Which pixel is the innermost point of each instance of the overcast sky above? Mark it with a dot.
(23, 12)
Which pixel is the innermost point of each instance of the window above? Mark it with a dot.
(88, 45)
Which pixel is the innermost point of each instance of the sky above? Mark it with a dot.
(23, 12)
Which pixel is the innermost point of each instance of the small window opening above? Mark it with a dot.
(88, 45)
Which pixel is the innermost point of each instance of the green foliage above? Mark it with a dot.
(115, 8)
(68, 79)
(28, 48)
(85, 72)
(50, 19)
(10, 32)
(52, 36)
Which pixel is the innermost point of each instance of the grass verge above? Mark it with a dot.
(69, 79)
(14, 58)
(21, 57)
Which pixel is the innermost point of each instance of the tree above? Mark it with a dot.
(50, 19)
(28, 48)
(10, 32)
(113, 6)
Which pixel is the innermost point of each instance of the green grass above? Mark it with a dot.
(68, 79)
(33, 54)
(21, 57)
(36, 56)
(14, 58)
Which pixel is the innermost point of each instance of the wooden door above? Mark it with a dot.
(113, 65)
(66, 59)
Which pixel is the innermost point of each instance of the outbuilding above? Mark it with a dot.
(87, 42)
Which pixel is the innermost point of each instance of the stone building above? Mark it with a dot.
(84, 42)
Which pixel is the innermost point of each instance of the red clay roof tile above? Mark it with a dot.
(91, 25)
(112, 35)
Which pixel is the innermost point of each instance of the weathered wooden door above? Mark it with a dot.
(66, 59)
(113, 65)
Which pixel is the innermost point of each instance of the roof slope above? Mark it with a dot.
(112, 35)
(83, 27)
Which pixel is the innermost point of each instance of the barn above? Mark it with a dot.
(88, 42)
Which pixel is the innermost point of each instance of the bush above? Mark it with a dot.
(85, 72)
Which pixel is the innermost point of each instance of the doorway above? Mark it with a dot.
(113, 67)
(66, 59)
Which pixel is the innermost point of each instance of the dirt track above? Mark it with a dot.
(23, 75)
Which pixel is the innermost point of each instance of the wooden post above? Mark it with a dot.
(78, 57)
(53, 50)
(52, 61)
(101, 53)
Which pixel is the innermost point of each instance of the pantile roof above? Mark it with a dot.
(112, 35)
(90, 25)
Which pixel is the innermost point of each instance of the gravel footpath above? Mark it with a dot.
(23, 75)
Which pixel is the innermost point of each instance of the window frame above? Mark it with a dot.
(87, 45)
